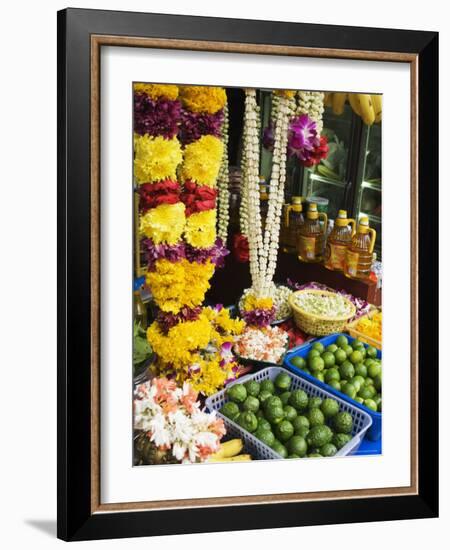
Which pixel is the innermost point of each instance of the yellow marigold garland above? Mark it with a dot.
(203, 99)
(156, 158)
(164, 224)
(155, 91)
(252, 302)
(200, 229)
(202, 160)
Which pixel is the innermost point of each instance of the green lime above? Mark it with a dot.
(283, 381)
(371, 352)
(307, 371)
(348, 349)
(369, 361)
(335, 384)
(299, 400)
(273, 401)
(317, 364)
(356, 357)
(264, 396)
(251, 404)
(318, 346)
(361, 370)
(343, 422)
(252, 387)
(329, 407)
(374, 370)
(340, 356)
(230, 410)
(370, 404)
(279, 448)
(377, 399)
(312, 353)
(340, 439)
(349, 389)
(248, 421)
(328, 449)
(368, 381)
(267, 385)
(332, 348)
(332, 374)
(357, 344)
(264, 424)
(314, 402)
(300, 422)
(320, 376)
(274, 415)
(284, 431)
(359, 399)
(266, 436)
(292, 456)
(329, 359)
(357, 381)
(377, 382)
(285, 397)
(319, 436)
(341, 341)
(315, 417)
(346, 370)
(297, 445)
(237, 393)
(367, 392)
(298, 362)
(289, 413)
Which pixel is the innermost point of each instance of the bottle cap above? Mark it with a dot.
(312, 212)
(297, 205)
(341, 220)
(363, 224)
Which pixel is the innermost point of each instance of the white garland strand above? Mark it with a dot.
(311, 104)
(263, 249)
(223, 182)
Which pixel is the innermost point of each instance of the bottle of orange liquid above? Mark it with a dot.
(293, 220)
(358, 258)
(311, 236)
(338, 241)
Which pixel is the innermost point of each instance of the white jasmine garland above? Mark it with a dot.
(223, 184)
(311, 104)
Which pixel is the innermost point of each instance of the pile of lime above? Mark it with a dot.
(291, 422)
(352, 369)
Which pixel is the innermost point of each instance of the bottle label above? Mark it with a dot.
(352, 260)
(336, 256)
(308, 247)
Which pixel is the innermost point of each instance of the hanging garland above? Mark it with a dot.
(223, 183)
(263, 246)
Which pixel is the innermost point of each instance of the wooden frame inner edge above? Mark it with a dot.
(102, 40)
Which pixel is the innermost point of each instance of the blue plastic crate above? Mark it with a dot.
(374, 432)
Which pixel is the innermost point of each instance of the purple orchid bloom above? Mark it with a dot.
(302, 137)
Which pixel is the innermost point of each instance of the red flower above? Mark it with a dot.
(240, 248)
(162, 192)
(198, 198)
(320, 152)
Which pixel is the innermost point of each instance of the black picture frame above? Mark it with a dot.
(76, 521)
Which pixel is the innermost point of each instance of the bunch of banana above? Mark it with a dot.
(229, 452)
(368, 107)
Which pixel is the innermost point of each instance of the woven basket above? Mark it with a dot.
(318, 325)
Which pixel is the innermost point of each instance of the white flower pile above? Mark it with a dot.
(263, 247)
(174, 421)
(311, 104)
(280, 295)
(223, 178)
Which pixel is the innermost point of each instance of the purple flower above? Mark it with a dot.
(167, 320)
(302, 137)
(156, 118)
(215, 253)
(154, 252)
(259, 317)
(195, 125)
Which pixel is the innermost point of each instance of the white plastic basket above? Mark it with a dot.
(361, 420)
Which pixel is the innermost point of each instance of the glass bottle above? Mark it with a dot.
(311, 236)
(359, 255)
(338, 241)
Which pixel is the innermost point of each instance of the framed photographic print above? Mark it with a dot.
(247, 251)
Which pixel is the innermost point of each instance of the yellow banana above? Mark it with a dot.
(377, 102)
(354, 102)
(367, 111)
(228, 449)
(238, 458)
(339, 102)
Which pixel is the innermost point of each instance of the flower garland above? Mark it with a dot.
(223, 183)
(172, 420)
